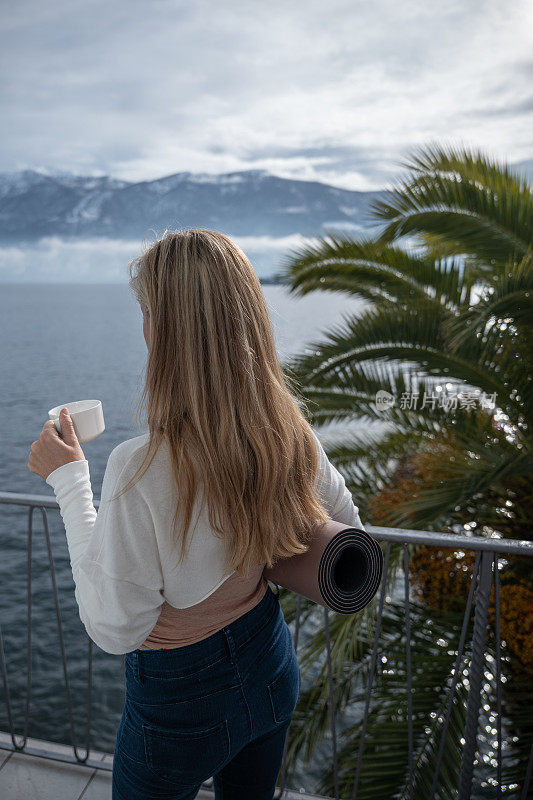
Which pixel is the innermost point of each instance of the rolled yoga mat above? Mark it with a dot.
(341, 570)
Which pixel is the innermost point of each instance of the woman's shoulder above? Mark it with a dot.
(125, 464)
(125, 452)
(127, 456)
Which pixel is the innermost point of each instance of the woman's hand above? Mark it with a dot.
(53, 449)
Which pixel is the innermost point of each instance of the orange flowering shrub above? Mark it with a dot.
(414, 474)
(441, 578)
(516, 620)
(381, 507)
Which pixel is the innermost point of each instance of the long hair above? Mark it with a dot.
(215, 390)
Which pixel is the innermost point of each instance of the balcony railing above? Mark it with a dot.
(489, 552)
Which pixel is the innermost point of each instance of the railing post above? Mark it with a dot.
(479, 635)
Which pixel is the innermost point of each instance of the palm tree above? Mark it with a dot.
(452, 311)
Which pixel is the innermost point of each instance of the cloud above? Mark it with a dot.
(102, 260)
(512, 109)
(52, 259)
(336, 92)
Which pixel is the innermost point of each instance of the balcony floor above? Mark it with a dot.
(30, 777)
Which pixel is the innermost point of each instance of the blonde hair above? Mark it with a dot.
(215, 390)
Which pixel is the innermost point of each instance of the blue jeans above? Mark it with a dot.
(216, 708)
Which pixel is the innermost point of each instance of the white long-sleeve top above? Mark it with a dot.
(123, 561)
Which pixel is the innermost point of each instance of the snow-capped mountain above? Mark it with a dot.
(34, 204)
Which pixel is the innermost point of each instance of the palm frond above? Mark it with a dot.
(461, 198)
(392, 334)
(375, 273)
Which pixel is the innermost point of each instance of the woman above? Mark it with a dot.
(212, 678)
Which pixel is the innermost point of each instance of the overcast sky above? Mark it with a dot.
(338, 91)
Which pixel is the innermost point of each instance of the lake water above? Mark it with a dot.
(68, 342)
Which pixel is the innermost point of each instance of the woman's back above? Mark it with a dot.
(203, 569)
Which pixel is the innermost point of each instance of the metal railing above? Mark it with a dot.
(485, 573)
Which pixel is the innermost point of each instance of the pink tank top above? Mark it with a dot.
(177, 627)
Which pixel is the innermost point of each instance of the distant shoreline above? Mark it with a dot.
(268, 279)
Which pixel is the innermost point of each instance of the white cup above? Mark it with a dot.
(87, 417)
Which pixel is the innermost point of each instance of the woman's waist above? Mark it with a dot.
(178, 627)
(211, 648)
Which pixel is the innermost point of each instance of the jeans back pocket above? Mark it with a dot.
(284, 690)
(186, 757)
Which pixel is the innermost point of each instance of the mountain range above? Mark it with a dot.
(56, 226)
(35, 204)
